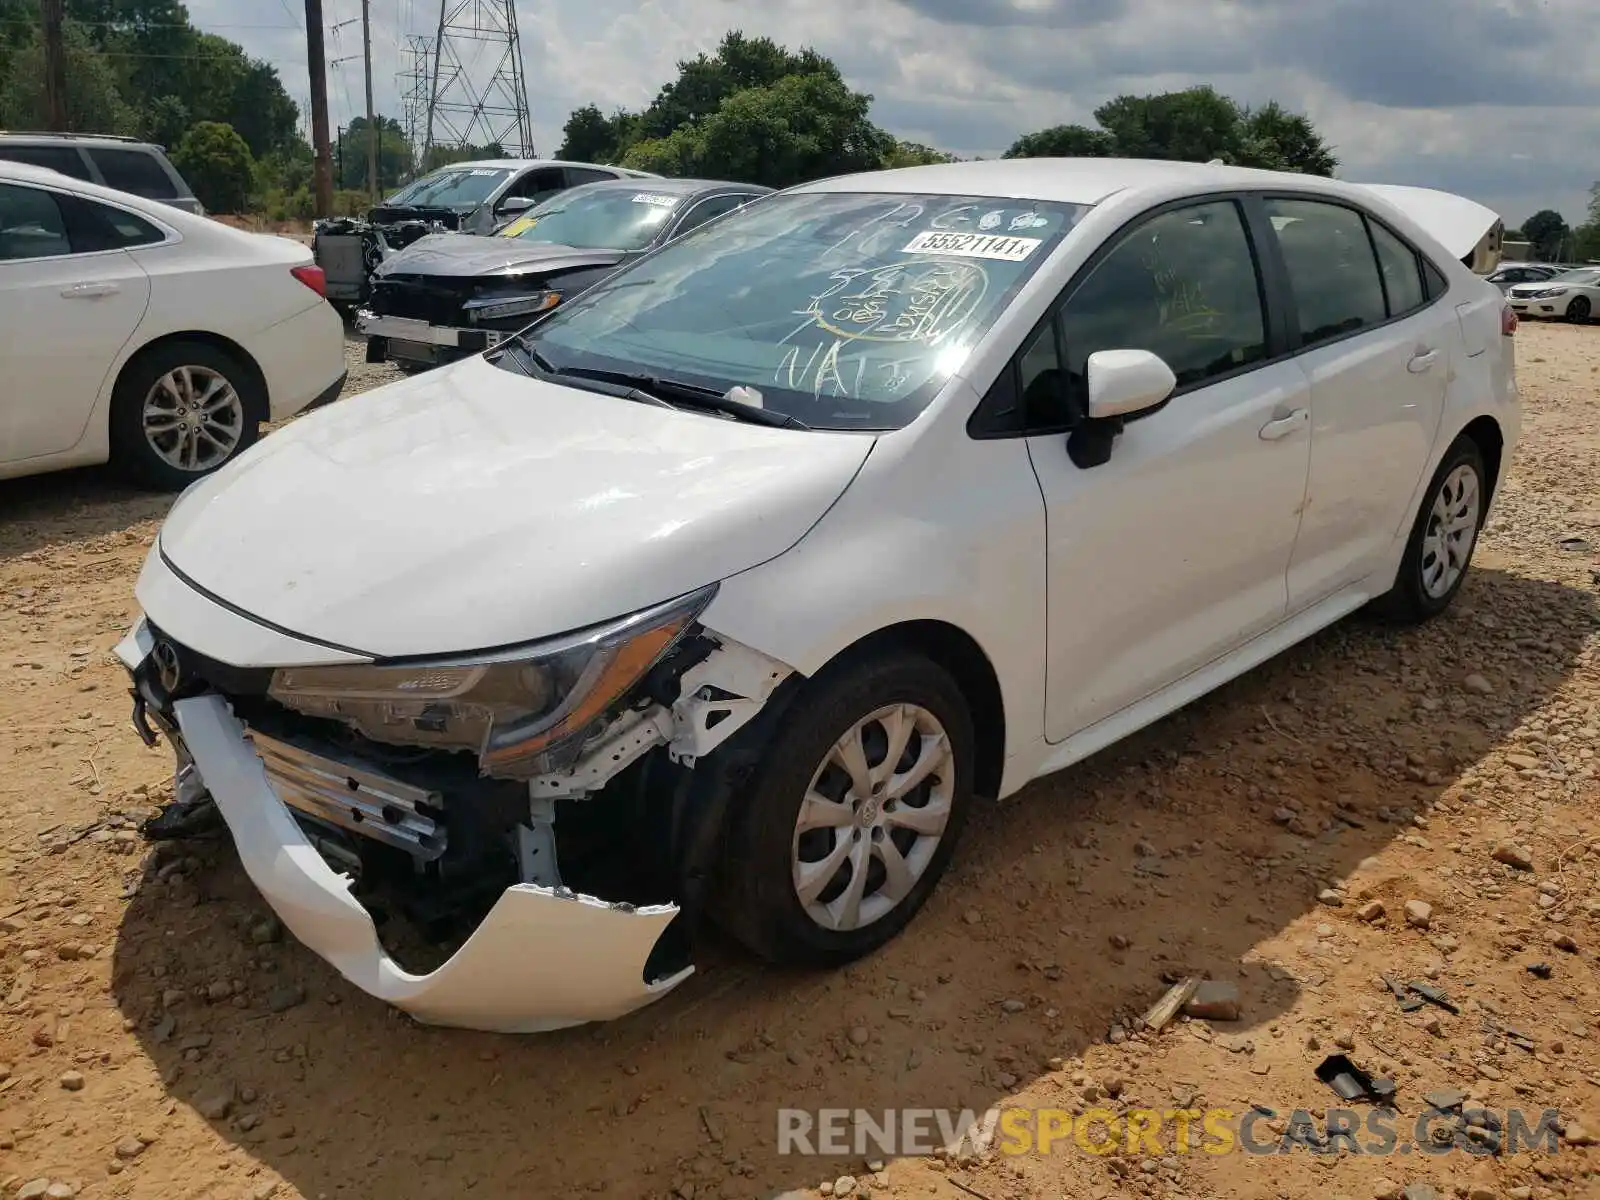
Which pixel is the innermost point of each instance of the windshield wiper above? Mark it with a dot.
(689, 395)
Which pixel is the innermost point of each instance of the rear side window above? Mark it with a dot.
(65, 159)
(577, 176)
(706, 209)
(31, 224)
(1182, 285)
(1402, 275)
(95, 227)
(135, 171)
(1332, 270)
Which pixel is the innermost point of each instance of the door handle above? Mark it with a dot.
(1282, 427)
(90, 291)
(1421, 361)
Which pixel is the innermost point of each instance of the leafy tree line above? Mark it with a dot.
(1553, 240)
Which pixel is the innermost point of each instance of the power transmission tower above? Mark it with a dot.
(463, 112)
(415, 91)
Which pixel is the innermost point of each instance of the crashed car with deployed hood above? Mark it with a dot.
(720, 593)
(447, 296)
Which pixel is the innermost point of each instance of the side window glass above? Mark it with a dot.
(1332, 270)
(1402, 277)
(134, 171)
(1043, 383)
(707, 209)
(65, 159)
(578, 175)
(31, 224)
(95, 227)
(1182, 285)
(1438, 285)
(539, 185)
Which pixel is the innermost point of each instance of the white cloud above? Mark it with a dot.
(1489, 97)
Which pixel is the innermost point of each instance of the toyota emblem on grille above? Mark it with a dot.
(168, 671)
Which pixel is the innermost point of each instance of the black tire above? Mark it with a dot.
(757, 901)
(1578, 311)
(1410, 601)
(132, 452)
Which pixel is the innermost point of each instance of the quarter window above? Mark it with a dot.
(135, 171)
(1182, 285)
(31, 224)
(101, 227)
(1333, 273)
(1402, 280)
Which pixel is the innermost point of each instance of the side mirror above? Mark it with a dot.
(1125, 382)
(512, 205)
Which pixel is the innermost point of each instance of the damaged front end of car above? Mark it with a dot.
(509, 841)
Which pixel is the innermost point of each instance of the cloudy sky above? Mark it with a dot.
(1495, 99)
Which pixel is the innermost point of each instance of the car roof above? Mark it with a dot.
(109, 140)
(675, 187)
(516, 164)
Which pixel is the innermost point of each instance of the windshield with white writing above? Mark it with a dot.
(844, 310)
(451, 189)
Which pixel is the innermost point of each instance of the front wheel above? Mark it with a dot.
(1579, 309)
(854, 815)
(1442, 539)
(179, 412)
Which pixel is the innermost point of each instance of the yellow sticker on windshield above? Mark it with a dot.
(520, 225)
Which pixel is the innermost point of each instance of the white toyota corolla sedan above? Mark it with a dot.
(724, 590)
(153, 338)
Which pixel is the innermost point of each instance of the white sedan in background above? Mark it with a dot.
(1572, 295)
(134, 333)
(722, 592)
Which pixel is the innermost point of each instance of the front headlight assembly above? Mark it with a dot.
(498, 308)
(524, 710)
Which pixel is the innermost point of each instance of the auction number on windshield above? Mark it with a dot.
(973, 245)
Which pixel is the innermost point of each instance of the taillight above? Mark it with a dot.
(313, 278)
(1508, 320)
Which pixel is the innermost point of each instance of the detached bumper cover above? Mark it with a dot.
(540, 960)
(410, 329)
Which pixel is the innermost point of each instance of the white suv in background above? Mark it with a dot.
(146, 336)
(126, 164)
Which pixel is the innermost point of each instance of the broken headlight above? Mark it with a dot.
(517, 708)
(498, 308)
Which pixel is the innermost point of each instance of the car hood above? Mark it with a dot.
(472, 507)
(462, 254)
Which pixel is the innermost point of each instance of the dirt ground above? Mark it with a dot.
(159, 1038)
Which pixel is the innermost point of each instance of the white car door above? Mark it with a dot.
(1379, 363)
(1175, 550)
(68, 305)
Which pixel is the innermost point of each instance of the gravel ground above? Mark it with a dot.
(1416, 803)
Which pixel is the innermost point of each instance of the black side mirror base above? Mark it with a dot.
(1089, 445)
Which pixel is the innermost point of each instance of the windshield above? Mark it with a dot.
(844, 310)
(1576, 277)
(607, 219)
(452, 188)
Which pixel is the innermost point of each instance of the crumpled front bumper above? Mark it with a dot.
(541, 959)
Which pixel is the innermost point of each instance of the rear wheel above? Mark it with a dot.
(854, 815)
(180, 411)
(1442, 539)
(1579, 309)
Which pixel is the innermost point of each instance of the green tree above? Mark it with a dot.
(1064, 141)
(1547, 230)
(394, 155)
(218, 165)
(801, 127)
(94, 100)
(913, 154)
(1194, 125)
(591, 136)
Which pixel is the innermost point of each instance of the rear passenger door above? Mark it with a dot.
(70, 298)
(1377, 352)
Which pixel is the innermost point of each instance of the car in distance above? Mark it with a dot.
(722, 591)
(479, 197)
(125, 164)
(147, 336)
(1571, 295)
(1509, 274)
(448, 295)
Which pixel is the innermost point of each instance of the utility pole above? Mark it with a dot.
(322, 170)
(55, 67)
(372, 121)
